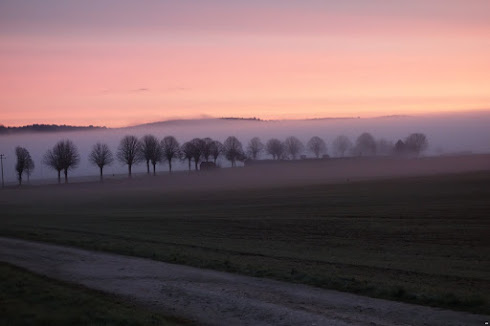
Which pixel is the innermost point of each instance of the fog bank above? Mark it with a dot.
(450, 133)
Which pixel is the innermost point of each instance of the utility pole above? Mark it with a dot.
(2, 157)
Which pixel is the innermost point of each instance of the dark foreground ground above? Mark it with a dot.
(29, 299)
(208, 297)
(400, 231)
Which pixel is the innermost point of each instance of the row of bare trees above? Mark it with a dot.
(64, 155)
(367, 145)
(291, 148)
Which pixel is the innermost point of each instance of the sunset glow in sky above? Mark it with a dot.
(121, 62)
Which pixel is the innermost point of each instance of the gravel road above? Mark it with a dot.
(216, 298)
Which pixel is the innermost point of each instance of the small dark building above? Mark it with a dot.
(207, 166)
(400, 147)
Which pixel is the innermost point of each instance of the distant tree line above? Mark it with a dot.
(45, 128)
(64, 155)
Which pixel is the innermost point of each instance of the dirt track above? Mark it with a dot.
(217, 298)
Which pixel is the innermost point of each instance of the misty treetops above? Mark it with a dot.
(204, 152)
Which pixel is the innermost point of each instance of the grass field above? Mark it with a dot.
(416, 239)
(29, 299)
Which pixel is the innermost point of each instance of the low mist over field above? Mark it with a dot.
(447, 134)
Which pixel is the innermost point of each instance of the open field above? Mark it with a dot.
(29, 299)
(208, 297)
(422, 239)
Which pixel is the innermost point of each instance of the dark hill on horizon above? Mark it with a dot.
(196, 121)
(209, 120)
(201, 121)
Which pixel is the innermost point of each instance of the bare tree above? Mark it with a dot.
(157, 157)
(150, 151)
(52, 158)
(255, 147)
(24, 162)
(275, 148)
(217, 149)
(317, 146)
(341, 145)
(187, 152)
(129, 152)
(171, 149)
(416, 143)
(233, 150)
(101, 156)
(293, 147)
(20, 165)
(198, 146)
(207, 146)
(365, 145)
(71, 158)
(63, 157)
(29, 166)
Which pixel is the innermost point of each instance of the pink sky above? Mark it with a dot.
(116, 63)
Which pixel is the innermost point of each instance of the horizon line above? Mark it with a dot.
(254, 118)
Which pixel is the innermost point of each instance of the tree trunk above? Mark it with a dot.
(20, 178)
(66, 175)
(170, 166)
(195, 164)
(101, 175)
(59, 176)
(154, 168)
(148, 167)
(189, 164)
(129, 170)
